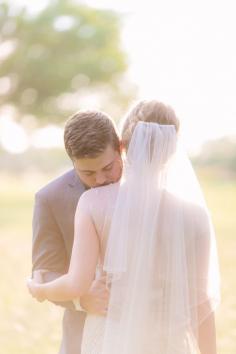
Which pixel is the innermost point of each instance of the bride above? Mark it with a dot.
(151, 234)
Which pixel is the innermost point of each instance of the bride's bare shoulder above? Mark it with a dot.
(99, 194)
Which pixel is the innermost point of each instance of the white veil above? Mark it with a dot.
(161, 256)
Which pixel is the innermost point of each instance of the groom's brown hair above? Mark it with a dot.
(88, 133)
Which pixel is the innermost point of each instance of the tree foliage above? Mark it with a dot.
(50, 58)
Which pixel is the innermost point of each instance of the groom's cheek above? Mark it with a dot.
(116, 173)
(89, 182)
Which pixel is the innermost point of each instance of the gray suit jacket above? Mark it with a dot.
(53, 232)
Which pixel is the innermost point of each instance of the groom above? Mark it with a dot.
(93, 145)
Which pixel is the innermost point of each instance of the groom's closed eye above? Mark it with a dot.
(88, 173)
(108, 167)
(91, 173)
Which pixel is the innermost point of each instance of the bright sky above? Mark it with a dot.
(183, 53)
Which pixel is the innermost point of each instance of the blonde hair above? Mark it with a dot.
(147, 111)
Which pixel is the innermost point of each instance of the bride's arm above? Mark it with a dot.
(207, 288)
(83, 263)
(207, 334)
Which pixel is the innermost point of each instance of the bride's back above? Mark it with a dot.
(101, 203)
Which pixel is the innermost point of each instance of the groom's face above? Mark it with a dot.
(104, 169)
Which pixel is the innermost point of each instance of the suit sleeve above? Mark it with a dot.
(48, 249)
(48, 246)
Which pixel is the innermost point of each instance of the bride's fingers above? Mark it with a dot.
(104, 295)
(101, 291)
(38, 276)
(102, 279)
(30, 285)
(33, 290)
(101, 283)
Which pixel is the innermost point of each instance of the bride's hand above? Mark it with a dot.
(35, 290)
(96, 300)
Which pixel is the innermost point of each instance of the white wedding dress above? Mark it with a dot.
(101, 202)
(93, 334)
(157, 246)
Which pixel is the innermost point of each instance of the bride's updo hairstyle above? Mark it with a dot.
(147, 111)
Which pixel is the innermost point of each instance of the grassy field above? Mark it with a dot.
(32, 328)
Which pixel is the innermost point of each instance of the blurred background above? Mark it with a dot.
(59, 56)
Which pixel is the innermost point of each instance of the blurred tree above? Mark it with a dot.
(52, 59)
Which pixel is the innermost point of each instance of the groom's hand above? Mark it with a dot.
(96, 300)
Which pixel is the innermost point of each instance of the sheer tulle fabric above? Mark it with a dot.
(161, 255)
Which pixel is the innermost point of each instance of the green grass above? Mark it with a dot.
(25, 325)
(220, 194)
(32, 328)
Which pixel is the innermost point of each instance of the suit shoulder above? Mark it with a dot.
(57, 184)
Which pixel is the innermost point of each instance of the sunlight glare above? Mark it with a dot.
(12, 136)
